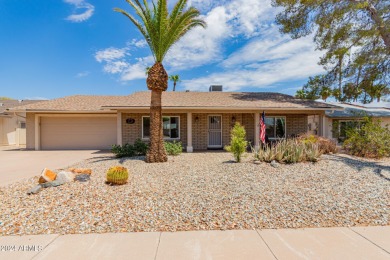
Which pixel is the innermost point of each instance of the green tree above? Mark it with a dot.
(161, 29)
(175, 79)
(312, 89)
(355, 35)
(5, 98)
(325, 93)
(300, 94)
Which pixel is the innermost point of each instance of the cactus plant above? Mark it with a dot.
(117, 175)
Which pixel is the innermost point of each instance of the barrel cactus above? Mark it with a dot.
(117, 175)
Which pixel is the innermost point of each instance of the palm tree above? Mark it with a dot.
(161, 30)
(147, 70)
(175, 79)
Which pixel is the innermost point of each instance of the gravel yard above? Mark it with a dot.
(203, 191)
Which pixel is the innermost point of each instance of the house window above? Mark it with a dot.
(346, 125)
(275, 127)
(171, 127)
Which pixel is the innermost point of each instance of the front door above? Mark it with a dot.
(215, 132)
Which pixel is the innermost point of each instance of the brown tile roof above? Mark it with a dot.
(220, 100)
(252, 100)
(72, 103)
(7, 104)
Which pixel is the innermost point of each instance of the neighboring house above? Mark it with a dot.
(338, 121)
(13, 125)
(200, 120)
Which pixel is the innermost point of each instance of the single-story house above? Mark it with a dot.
(337, 121)
(13, 125)
(200, 120)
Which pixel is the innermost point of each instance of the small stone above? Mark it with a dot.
(34, 190)
(83, 177)
(65, 176)
(81, 171)
(275, 164)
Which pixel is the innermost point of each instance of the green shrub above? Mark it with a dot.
(117, 175)
(289, 151)
(173, 148)
(369, 140)
(325, 145)
(238, 143)
(138, 149)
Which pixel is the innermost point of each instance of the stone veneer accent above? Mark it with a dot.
(295, 125)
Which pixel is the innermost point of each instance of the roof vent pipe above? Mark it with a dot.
(214, 88)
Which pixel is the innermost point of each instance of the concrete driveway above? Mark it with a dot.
(16, 165)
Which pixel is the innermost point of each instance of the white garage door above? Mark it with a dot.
(78, 133)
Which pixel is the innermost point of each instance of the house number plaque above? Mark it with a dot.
(130, 121)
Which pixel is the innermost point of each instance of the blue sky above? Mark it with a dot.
(57, 48)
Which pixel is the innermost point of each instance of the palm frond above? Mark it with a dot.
(160, 28)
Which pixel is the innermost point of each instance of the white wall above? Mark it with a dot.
(8, 131)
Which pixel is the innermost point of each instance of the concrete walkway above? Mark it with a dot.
(316, 243)
(16, 164)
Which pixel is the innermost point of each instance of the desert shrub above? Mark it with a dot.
(325, 145)
(139, 148)
(369, 140)
(173, 148)
(238, 143)
(117, 175)
(289, 151)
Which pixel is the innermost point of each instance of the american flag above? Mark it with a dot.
(262, 127)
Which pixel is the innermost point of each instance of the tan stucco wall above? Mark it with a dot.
(30, 131)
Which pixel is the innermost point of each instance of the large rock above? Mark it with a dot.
(34, 190)
(81, 171)
(47, 176)
(275, 164)
(83, 177)
(55, 183)
(65, 176)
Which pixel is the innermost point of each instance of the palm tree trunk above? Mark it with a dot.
(174, 86)
(157, 82)
(156, 151)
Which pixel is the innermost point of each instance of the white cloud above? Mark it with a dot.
(84, 11)
(265, 59)
(35, 98)
(82, 74)
(111, 54)
(138, 43)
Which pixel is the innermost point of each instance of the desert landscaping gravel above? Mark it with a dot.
(204, 191)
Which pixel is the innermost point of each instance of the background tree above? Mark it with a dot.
(5, 98)
(161, 30)
(354, 33)
(175, 79)
(325, 93)
(312, 89)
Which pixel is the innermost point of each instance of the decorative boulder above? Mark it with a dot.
(81, 171)
(55, 183)
(65, 176)
(82, 177)
(34, 190)
(47, 176)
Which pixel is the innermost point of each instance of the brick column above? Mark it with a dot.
(257, 131)
(190, 148)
